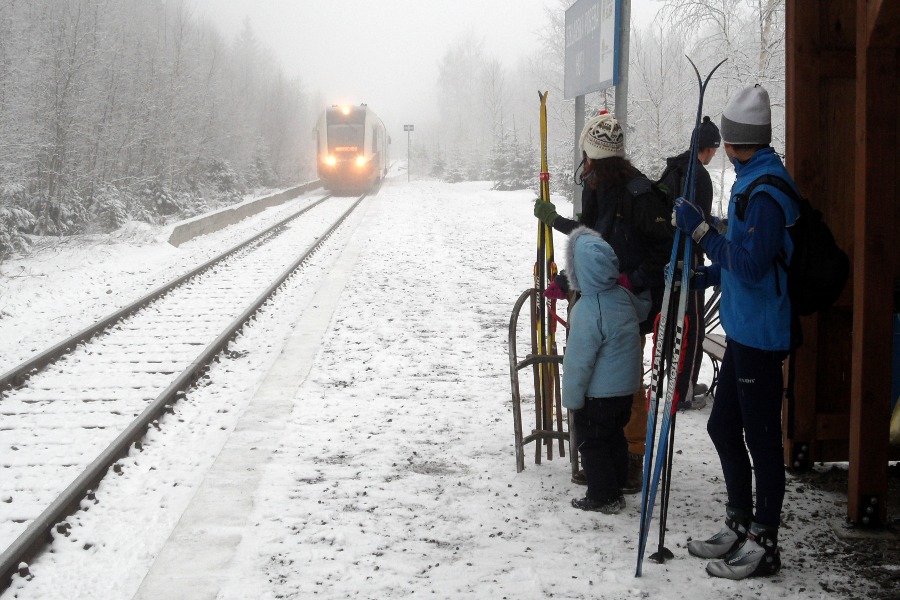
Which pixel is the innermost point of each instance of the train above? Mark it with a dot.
(351, 148)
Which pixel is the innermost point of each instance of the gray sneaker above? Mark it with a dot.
(727, 540)
(716, 546)
(758, 556)
(698, 402)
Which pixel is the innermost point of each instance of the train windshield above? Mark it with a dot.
(345, 138)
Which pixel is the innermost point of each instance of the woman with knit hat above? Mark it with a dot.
(745, 421)
(620, 204)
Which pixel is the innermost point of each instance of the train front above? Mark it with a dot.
(344, 160)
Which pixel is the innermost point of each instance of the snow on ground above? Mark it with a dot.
(67, 284)
(394, 477)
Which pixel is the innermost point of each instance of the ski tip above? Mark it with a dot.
(696, 70)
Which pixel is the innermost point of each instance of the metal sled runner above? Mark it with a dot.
(548, 397)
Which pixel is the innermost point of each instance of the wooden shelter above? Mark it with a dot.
(843, 107)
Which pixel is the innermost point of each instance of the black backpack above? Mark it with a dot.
(671, 182)
(819, 269)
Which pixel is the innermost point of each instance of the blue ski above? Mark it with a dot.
(667, 353)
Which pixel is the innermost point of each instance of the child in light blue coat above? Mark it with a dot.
(601, 367)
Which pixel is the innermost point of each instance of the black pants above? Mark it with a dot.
(746, 415)
(692, 349)
(600, 431)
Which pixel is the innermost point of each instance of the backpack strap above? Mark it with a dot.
(742, 201)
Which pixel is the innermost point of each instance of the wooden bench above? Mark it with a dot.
(714, 346)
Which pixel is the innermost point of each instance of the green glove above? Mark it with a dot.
(545, 211)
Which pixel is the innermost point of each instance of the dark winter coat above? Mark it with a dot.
(634, 220)
(673, 178)
(703, 189)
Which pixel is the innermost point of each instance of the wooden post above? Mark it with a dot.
(874, 260)
(802, 137)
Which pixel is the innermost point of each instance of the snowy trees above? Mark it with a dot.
(659, 113)
(478, 136)
(749, 33)
(662, 85)
(114, 109)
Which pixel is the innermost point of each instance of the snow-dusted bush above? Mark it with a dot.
(225, 181)
(260, 172)
(109, 210)
(157, 199)
(58, 216)
(14, 219)
(561, 182)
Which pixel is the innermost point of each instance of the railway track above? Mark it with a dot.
(69, 413)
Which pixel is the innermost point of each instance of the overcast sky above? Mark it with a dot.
(385, 52)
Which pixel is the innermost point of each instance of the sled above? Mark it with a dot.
(548, 409)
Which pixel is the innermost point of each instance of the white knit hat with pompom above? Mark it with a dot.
(602, 137)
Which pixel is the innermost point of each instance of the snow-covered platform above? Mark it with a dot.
(209, 532)
(369, 452)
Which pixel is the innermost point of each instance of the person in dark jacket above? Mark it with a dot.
(745, 421)
(690, 395)
(601, 367)
(621, 204)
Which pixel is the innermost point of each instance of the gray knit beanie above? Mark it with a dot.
(602, 137)
(748, 118)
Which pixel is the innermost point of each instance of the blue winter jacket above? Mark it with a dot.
(755, 311)
(603, 348)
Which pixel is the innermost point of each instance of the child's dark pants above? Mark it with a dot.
(600, 432)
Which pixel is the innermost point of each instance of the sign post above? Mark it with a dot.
(597, 33)
(592, 46)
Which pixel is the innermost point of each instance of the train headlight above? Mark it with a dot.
(345, 110)
(361, 161)
(330, 161)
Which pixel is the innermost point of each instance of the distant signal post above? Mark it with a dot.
(407, 129)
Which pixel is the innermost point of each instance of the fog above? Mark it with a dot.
(181, 107)
(386, 53)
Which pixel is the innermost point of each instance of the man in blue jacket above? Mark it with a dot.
(745, 420)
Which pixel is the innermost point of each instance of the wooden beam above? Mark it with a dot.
(832, 427)
(802, 137)
(883, 17)
(837, 64)
(874, 267)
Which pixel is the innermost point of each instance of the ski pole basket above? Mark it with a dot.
(547, 392)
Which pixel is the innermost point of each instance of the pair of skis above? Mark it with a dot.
(544, 326)
(668, 338)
